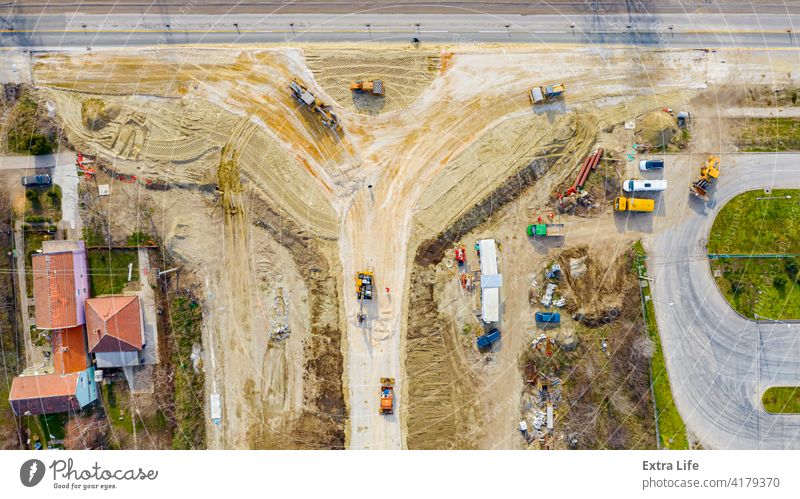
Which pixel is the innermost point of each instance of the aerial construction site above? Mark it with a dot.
(397, 245)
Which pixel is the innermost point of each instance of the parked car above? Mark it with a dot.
(35, 180)
(644, 185)
(488, 339)
(548, 317)
(647, 165)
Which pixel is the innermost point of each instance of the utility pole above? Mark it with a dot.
(291, 25)
(369, 28)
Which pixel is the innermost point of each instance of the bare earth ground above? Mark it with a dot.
(258, 183)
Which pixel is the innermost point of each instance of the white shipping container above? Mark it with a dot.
(215, 403)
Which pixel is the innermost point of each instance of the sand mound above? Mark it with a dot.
(656, 129)
(94, 114)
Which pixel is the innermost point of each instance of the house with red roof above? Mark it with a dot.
(115, 330)
(60, 284)
(60, 290)
(52, 393)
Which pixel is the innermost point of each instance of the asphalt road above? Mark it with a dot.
(54, 31)
(719, 363)
(390, 6)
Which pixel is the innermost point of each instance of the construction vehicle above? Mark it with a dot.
(541, 94)
(365, 282)
(634, 204)
(548, 317)
(546, 230)
(634, 185)
(708, 174)
(374, 87)
(488, 339)
(387, 396)
(683, 118)
(308, 100)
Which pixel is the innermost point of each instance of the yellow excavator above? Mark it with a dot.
(308, 100)
(365, 284)
(708, 174)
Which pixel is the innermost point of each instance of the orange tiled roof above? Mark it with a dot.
(44, 394)
(54, 290)
(69, 350)
(43, 385)
(114, 324)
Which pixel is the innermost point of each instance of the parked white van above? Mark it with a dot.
(644, 185)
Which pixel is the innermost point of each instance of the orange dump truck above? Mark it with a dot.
(374, 87)
(387, 396)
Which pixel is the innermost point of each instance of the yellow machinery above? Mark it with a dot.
(374, 87)
(308, 100)
(708, 173)
(365, 284)
(634, 204)
(387, 396)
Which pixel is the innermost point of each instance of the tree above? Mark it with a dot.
(779, 281)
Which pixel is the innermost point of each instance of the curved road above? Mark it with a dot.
(719, 363)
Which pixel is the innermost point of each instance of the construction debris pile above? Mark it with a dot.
(279, 325)
(540, 400)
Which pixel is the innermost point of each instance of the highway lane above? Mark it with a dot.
(719, 363)
(648, 30)
(392, 7)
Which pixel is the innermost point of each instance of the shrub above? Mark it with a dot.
(791, 268)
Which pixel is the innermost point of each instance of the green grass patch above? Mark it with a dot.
(765, 287)
(93, 238)
(748, 225)
(769, 135)
(760, 288)
(43, 202)
(139, 239)
(116, 406)
(33, 243)
(24, 134)
(186, 320)
(671, 427)
(53, 426)
(108, 270)
(782, 400)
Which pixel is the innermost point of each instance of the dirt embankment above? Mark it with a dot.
(442, 405)
(321, 422)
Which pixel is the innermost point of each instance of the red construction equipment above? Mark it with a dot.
(589, 164)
